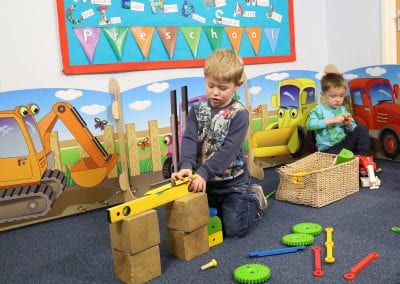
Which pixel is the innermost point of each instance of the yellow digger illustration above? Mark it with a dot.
(28, 183)
(294, 101)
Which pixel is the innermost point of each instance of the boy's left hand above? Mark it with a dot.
(198, 184)
(347, 120)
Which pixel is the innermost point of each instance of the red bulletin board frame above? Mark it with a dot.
(69, 69)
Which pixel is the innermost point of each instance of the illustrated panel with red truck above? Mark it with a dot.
(375, 105)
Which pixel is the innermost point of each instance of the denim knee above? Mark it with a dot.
(237, 219)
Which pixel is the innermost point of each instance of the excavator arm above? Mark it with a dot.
(89, 171)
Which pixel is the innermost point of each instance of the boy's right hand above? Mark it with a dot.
(197, 183)
(340, 119)
(347, 120)
(182, 174)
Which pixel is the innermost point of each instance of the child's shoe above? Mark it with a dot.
(257, 189)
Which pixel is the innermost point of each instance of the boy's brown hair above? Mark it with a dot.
(332, 80)
(224, 65)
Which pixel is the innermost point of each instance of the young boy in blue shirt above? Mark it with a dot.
(211, 153)
(333, 125)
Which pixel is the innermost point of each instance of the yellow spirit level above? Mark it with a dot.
(153, 198)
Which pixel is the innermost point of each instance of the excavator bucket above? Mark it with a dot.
(87, 174)
(275, 142)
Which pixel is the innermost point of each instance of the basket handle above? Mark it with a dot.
(298, 177)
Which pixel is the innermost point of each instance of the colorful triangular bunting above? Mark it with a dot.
(272, 36)
(88, 38)
(235, 37)
(192, 36)
(168, 37)
(214, 35)
(143, 37)
(254, 35)
(116, 36)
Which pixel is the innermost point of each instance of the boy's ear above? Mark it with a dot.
(322, 98)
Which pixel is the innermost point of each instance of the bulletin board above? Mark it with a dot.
(99, 36)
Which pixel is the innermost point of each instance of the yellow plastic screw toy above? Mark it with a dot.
(212, 263)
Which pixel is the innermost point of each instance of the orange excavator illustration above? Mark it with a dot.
(28, 183)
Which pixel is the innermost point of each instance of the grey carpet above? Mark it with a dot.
(76, 249)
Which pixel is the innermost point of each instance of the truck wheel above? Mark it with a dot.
(390, 144)
(167, 168)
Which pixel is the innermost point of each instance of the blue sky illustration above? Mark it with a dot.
(152, 101)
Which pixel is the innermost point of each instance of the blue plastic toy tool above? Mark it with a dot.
(212, 211)
(276, 251)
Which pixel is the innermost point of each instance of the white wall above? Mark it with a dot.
(353, 33)
(342, 32)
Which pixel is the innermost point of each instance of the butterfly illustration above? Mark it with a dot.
(257, 110)
(144, 143)
(98, 123)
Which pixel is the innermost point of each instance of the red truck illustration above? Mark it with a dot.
(375, 104)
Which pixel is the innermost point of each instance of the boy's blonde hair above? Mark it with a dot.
(224, 65)
(332, 80)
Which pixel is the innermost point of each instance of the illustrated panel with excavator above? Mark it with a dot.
(28, 183)
(288, 135)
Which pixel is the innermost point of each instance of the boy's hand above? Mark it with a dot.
(182, 174)
(340, 119)
(347, 120)
(198, 184)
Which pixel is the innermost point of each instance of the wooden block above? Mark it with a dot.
(187, 213)
(139, 267)
(188, 245)
(215, 238)
(136, 233)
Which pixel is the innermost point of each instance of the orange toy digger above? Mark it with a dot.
(28, 185)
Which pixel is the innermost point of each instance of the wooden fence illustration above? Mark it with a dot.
(109, 138)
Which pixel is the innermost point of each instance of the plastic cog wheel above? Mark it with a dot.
(252, 273)
(296, 239)
(308, 228)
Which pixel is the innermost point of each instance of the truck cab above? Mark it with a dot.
(375, 105)
(295, 100)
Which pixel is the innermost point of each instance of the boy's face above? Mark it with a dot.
(219, 93)
(334, 96)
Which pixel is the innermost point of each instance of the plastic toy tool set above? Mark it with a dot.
(303, 235)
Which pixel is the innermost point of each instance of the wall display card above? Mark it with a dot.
(98, 36)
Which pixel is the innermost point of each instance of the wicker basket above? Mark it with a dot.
(316, 180)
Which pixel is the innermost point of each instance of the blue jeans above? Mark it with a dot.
(236, 207)
(357, 141)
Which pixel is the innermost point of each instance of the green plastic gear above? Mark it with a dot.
(296, 239)
(252, 273)
(308, 228)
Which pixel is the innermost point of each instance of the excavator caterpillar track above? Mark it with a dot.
(26, 202)
(56, 180)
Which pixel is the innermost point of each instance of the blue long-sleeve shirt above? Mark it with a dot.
(327, 136)
(224, 156)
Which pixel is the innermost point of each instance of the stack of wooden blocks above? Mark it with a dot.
(135, 247)
(187, 220)
(135, 240)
